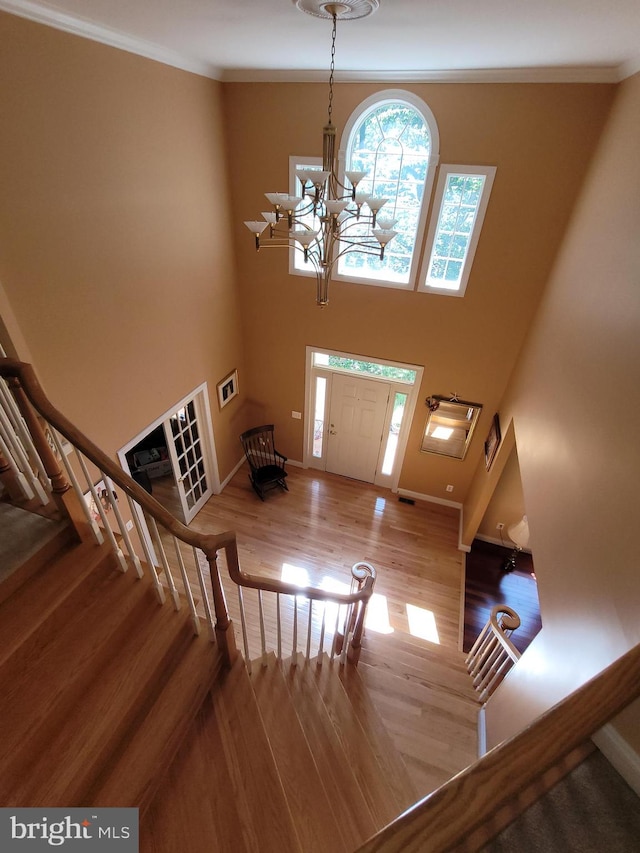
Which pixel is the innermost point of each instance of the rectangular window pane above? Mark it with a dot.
(394, 430)
(309, 219)
(453, 238)
(318, 426)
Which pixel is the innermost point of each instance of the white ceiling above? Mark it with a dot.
(560, 40)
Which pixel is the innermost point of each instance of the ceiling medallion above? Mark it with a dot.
(348, 10)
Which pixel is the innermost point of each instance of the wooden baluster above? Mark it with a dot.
(294, 649)
(195, 620)
(279, 626)
(245, 638)
(263, 639)
(12, 446)
(9, 405)
(309, 625)
(322, 629)
(205, 596)
(12, 478)
(64, 496)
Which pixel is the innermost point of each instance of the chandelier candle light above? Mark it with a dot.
(343, 218)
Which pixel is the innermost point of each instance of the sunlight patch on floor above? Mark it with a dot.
(422, 623)
(377, 618)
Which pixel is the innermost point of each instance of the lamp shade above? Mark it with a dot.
(519, 532)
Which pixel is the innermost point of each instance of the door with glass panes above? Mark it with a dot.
(187, 454)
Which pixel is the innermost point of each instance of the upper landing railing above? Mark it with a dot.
(44, 457)
(493, 654)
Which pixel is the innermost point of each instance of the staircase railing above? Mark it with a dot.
(493, 654)
(457, 815)
(332, 618)
(39, 446)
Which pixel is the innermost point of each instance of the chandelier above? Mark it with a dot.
(327, 218)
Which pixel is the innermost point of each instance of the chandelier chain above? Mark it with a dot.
(333, 65)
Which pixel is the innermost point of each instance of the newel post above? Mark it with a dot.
(225, 636)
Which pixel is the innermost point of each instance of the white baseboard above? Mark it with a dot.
(234, 471)
(241, 462)
(493, 541)
(620, 754)
(418, 496)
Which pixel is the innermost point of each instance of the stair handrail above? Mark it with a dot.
(23, 382)
(493, 653)
(451, 814)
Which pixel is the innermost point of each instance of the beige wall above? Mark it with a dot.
(540, 138)
(507, 503)
(574, 401)
(114, 240)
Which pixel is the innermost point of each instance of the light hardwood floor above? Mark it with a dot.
(322, 526)
(325, 524)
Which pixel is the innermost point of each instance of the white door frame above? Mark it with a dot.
(200, 397)
(412, 391)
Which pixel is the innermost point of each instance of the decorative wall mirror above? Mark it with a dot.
(450, 426)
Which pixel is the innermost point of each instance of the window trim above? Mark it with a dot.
(411, 389)
(445, 171)
(369, 104)
(294, 163)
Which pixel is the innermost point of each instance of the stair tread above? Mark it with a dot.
(134, 774)
(311, 810)
(439, 670)
(143, 652)
(42, 679)
(354, 741)
(251, 764)
(196, 808)
(382, 744)
(351, 810)
(40, 596)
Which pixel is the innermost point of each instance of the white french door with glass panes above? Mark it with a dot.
(186, 451)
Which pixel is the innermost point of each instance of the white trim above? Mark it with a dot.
(121, 41)
(551, 74)
(105, 35)
(412, 390)
(493, 541)
(359, 114)
(234, 471)
(620, 754)
(418, 496)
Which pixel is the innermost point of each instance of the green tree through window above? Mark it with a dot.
(392, 143)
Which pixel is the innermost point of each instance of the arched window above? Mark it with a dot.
(392, 136)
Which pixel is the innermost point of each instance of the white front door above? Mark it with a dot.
(356, 421)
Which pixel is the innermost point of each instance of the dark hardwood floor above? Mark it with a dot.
(487, 584)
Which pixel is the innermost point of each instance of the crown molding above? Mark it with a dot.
(50, 17)
(559, 74)
(113, 38)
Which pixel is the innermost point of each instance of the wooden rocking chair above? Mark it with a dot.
(265, 463)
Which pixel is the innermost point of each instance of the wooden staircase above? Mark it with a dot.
(98, 683)
(296, 756)
(107, 698)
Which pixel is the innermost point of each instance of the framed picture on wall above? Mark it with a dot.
(492, 442)
(228, 389)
